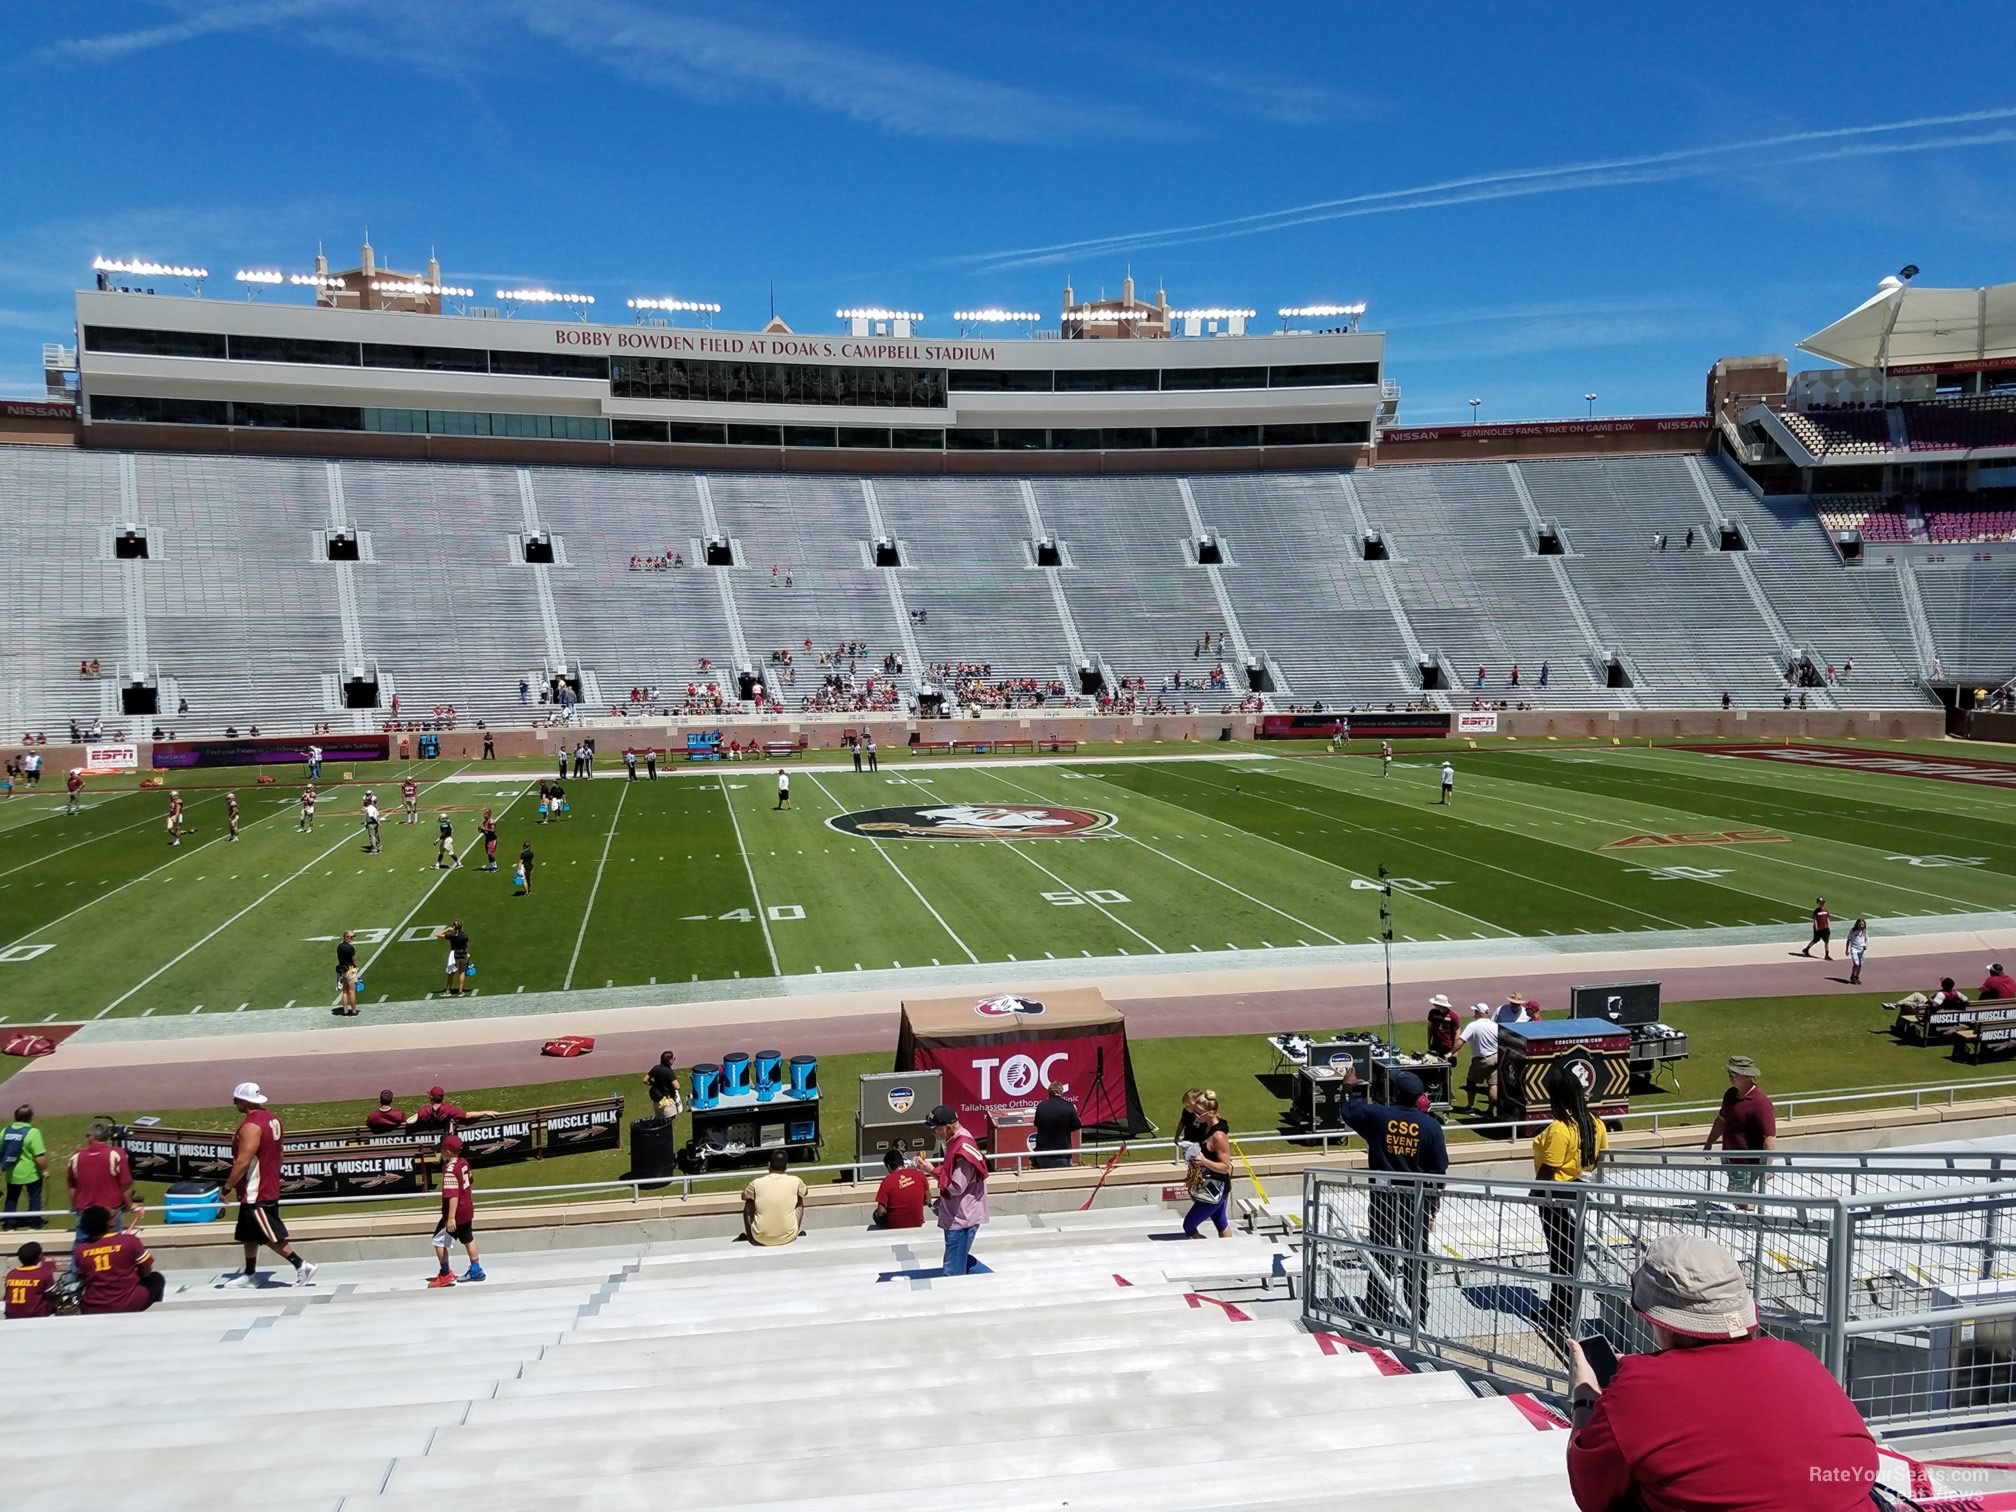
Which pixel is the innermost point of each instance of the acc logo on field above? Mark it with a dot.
(1718, 837)
(971, 821)
(1007, 1006)
(900, 1099)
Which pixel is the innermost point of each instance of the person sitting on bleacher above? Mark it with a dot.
(1719, 1415)
(1998, 986)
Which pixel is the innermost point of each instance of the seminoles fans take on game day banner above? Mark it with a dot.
(1000, 1053)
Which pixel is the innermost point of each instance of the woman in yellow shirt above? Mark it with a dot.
(1569, 1149)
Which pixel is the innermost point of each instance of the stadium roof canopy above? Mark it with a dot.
(1904, 325)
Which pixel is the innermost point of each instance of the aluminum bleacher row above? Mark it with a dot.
(237, 610)
(1086, 1370)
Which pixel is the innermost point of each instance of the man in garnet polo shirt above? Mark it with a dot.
(440, 1115)
(1719, 1415)
(1998, 985)
(387, 1116)
(101, 1177)
(1746, 1122)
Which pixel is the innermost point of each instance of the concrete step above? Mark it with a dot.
(41, 1487)
(1392, 1448)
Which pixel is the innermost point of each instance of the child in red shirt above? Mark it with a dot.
(29, 1282)
(458, 1214)
(899, 1200)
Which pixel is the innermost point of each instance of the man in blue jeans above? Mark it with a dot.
(24, 1161)
(962, 1190)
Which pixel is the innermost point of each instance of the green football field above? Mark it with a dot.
(698, 878)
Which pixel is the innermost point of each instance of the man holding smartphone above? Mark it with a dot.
(1719, 1415)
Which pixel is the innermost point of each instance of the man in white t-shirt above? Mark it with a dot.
(1448, 781)
(783, 788)
(1481, 1035)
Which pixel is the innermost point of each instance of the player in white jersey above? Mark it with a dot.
(372, 839)
(231, 817)
(307, 824)
(1385, 758)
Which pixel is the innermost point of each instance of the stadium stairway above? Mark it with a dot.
(1091, 1367)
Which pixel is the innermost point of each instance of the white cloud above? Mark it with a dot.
(717, 59)
(206, 21)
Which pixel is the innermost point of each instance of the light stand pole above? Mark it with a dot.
(1386, 943)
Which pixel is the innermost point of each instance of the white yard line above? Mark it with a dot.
(595, 887)
(950, 932)
(755, 897)
(440, 877)
(184, 955)
(80, 844)
(1021, 850)
(1220, 881)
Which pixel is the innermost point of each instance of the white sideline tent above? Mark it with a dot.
(1904, 325)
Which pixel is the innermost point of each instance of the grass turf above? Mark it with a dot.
(1802, 1044)
(698, 878)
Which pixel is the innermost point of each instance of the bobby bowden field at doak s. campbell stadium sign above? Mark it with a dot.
(972, 821)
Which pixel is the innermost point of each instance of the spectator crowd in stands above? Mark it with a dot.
(664, 562)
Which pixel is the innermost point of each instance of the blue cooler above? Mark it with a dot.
(735, 1074)
(194, 1202)
(769, 1074)
(706, 1085)
(804, 1076)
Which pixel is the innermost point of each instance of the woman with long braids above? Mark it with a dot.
(1569, 1149)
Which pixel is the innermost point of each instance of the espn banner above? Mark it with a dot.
(981, 1079)
(104, 760)
(1477, 722)
(344, 1171)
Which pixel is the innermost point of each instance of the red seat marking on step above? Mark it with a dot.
(1236, 1314)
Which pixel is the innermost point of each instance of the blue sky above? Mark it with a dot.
(1534, 201)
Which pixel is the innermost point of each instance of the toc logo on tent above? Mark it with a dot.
(1007, 1007)
(1019, 1075)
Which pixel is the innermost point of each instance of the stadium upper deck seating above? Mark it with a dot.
(716, 1376)
(1840, 433)
(237, 610)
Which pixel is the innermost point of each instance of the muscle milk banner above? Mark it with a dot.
(1001, 1053)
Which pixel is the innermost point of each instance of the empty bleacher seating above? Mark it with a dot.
(838, 1373)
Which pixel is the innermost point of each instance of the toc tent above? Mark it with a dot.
(999, 1053)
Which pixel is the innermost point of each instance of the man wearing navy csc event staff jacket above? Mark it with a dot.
(1399, 1137)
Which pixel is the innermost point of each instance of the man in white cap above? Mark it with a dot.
(1481, 1035)
(1448, 782)
(1719, 1415)
(1443, 1036)
(255, 1176)
(783, 788)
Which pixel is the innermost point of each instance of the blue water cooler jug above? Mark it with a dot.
(706, 1085)
(735, 1074)
(769, 1074)
(804, 1076)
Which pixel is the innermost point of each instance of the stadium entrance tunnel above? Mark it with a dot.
(139, 698)
(130, 545)
(1548, 542)
(1258, 678)
(360, 690)
(1731, 537)
(887, 554)
(342, 546)
(1089, 681)
(1615, 673)
(539, 549)
(1373, 546)
(1047, 554)
(718, 552)
(1209, 552)
(1432, 675)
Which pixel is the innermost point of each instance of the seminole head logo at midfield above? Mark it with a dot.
(972, 821)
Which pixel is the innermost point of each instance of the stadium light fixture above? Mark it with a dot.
(544, 296)
(1321, 311)
(145, 269)
(317, 280)
(1473, 410)
(1213, 313)
(992, 316)
(260, 276)
(877, 314)
(1592, 405)
(1110, 317)
(674, 306)
(419, 288)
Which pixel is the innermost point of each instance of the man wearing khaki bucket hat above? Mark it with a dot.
(1719, 1414)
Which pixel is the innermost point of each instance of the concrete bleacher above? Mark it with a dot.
(1684, 616)
(1972, 613)
(1085, 1370)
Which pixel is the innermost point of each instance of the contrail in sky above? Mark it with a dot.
(1605, 173)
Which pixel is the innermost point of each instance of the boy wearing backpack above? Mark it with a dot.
(962, 1190)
